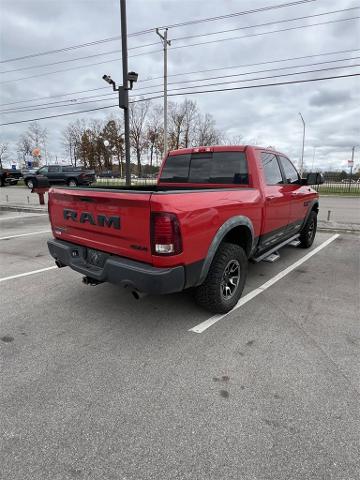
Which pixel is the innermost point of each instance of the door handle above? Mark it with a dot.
(270, 197)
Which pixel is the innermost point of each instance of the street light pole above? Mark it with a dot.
(123, 91)
(124, 101)
(165, 42)
(303, 146)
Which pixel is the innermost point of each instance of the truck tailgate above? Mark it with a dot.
(109, 221)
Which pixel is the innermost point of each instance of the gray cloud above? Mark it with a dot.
(326, 98)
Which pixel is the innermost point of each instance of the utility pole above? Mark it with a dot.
(165, 43)
(303, 146)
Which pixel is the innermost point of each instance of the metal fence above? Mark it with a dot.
(332, 184)
(335, 185)
(113, 182)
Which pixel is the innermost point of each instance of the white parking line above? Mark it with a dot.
(26, 215)
(12, 277)
(201, 327)
(25, 234)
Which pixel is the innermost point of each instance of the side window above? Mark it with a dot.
(43, 170)
(271, 169)
(54, 169)
(290, 171)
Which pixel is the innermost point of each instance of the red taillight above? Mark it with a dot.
(165, 234)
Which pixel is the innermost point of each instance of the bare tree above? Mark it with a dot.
(4, 147)
(176, 125)
(24, 147)
(138, 114)
(34, 137)
(190, 110)
(38, 137)
(206, 133)
(155, 133)
(71, 140)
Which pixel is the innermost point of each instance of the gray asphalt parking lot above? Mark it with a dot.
(98, 385)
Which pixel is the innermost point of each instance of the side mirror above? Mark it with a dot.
(314, 179)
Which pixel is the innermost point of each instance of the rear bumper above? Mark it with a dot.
(119, 270)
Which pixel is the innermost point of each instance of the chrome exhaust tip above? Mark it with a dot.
(138, 295)
(92, 282)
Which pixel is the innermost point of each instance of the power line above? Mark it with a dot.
(200, 86)
(47, 105)
(267, 77)
(76, 68)
(231, 15)
(150, 30)
(112, 52)
(190, 73)
(180, 46)
(264, 85)
(261, 71)
(263, 33)
(187, 93)
(187, 37)
(53, 96)
(253, 64)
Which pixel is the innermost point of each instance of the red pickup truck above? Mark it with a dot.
(212, 210)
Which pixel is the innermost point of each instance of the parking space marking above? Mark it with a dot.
(26, 215)
(25, 234)
(201, 327)
(33, 272)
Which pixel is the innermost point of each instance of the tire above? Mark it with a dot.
(307, 234)
(72, 182)
(216, 294)
(30, 183)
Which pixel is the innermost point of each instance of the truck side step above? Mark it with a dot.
(275, 249)
(294, 243)
(273, 257)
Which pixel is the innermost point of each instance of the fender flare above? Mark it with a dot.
(225, 228)
(310, 209)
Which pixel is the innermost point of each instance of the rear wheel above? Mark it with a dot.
(225, 280)
(307, 234)
(72, 182)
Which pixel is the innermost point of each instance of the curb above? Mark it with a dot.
(22, 208)
(338, 227)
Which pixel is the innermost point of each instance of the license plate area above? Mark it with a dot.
(96, 258)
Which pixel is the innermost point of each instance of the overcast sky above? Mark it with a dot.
(267, 115)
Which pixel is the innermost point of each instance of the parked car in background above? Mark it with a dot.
(60, 174)
(27, 171)
(9, 176)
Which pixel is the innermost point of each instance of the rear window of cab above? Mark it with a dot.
(206, 167)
